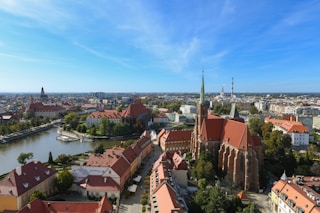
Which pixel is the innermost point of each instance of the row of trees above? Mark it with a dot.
(16, 126)
(212, 199)
(106, 127)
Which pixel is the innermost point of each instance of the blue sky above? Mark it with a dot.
(159, 46)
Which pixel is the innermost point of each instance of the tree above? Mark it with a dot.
(202, 183)
(253, 110)
(266, 129)
(72, 120)
(63, 159)
(212, 200)
(37, 194)
(140, 125)
(99, 149)
(315, 169)
(103, 126)
(121, 128)
(64, 180)
(50, 159)
(23, 157)
(255, 125)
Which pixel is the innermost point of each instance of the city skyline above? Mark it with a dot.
(142, 46)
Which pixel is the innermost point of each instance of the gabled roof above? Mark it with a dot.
(228, 131)
(111, 114)
(129, 154)
(135, 110)
(37, 205)
(22, 179)
(107, 159)
(99, 183)
(211, 129)
(120, 166)
(177, 135)
(236, 134)
(178, 162)
(289, 126)
(167, 199)
(243, 196)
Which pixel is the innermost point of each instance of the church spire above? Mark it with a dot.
(202, 97)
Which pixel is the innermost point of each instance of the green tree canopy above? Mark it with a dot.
(23, 157)
(255, 125)
(213, 200)
(50, 159)
(99, 149)
(253, 110)
(64, 180)
(63, 159)
(37, 194)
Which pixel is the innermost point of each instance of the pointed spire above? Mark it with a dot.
(202, 97)
(284, 176)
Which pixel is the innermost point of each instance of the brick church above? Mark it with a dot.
(236, 153)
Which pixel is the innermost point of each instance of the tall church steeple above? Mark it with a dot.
(202, 114)
(202, 96)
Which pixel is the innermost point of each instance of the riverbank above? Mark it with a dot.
(18, 135)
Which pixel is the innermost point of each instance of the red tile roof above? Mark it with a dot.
(177, 135)
(135, 110)
(40, 107)
(107, 159)
(242, 195)
(129, 154)
(37, 206)
(232, 132)
(121, 166)
(289, 126)
(111, 114)
(22, 179)
(99, 183)
(167, 199)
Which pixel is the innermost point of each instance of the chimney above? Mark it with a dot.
(18, 170)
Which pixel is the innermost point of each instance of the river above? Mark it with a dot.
(40, 145)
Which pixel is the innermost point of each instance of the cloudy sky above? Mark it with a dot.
(159, 46)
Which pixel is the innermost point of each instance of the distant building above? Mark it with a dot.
(43, 96)
(136, 111)
(95, 117)
(38, 110)
(299, 133)
(188, 109)
(160, 119)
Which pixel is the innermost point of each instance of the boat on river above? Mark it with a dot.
(65, 138)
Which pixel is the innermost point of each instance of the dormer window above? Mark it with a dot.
(37, 178)
(47, 172)
(25, 185)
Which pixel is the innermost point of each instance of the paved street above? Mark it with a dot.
(132, 204)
